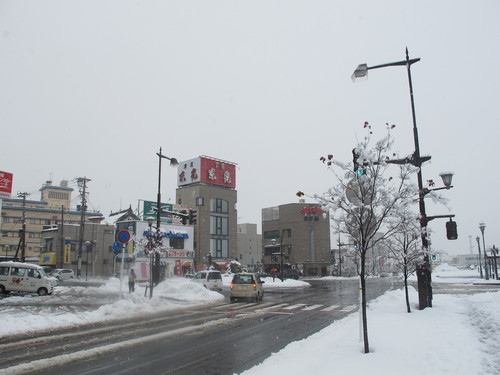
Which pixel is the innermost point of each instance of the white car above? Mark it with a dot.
(209, 279)
(24, 277)
(246, 285)
(63, 274)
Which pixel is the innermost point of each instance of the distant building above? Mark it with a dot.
(467, 260)
(60, 244)
(53, 207)
(249, 247)
(299, 231)
(208, 186)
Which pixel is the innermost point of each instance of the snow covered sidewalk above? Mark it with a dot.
(459, 336)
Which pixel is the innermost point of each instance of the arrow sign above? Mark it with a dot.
(123, 236)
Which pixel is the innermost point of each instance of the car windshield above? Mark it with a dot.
(243, 279)
(214, 275)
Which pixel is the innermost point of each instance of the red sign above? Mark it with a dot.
(5, 184)
(312, 210)
(207, 170)
(218, 172)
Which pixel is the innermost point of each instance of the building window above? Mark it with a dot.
(272, 235)
(199, 201)
(219, 247)
(177, 243)
(219, 206)
(219, 226)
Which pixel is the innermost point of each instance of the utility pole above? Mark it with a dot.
(82, 186)
(22, 231)
(60, 257)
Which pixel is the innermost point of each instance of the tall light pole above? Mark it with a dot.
(479, 253)
(155, 264)
(482, 226)
(423, 270)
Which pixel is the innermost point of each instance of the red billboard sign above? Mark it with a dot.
(5, 184)
(207, 170)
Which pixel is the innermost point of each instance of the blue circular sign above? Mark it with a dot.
(116, 246)
(123, 236)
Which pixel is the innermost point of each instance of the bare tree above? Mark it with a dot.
(366, 200)
(405, 247)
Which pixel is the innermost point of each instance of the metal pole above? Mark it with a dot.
(486, 266)
(281, 256)
(479, 253)
(423, 272)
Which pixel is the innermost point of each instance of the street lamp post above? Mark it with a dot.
(479, 253)
(482, 226)
(423, 271)
(154, 259)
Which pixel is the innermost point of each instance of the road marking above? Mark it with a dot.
(292, 307)
(312, 307)
(349, 308)
(331, 308)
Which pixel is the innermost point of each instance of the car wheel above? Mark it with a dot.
(231, 299)
(42, 292)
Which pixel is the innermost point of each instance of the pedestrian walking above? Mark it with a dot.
(131, 281)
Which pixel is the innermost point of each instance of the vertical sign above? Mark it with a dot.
(5, 184)
(67, 251)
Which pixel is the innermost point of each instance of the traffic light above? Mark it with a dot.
(192, 217)
(355, 244)
(360, 171)
(184, 217)
(451, 230)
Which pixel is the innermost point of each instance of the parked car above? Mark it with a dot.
(290, 273)
(24, 277)
(209, 279)
(63, 274)
(246, 285)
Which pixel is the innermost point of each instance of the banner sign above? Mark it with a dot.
(5, 184)
(150, 211)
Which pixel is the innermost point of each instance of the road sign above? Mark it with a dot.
(123, 236)
(117, 246)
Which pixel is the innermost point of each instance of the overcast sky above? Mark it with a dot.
(95, 88)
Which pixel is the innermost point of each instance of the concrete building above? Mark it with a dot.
(53, 207)
(249, 246)
(60, 244)
(208, 186)
(299, 231)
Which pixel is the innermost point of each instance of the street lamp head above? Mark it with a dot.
(446, 177)
(150, 220)
(361, 73)
(173, 162)
(273, 241)
(482, 226)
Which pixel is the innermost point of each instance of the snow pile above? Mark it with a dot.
(168, 295)
(446, 339)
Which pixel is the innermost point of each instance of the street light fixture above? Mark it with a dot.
(446, 177)
(423, 271)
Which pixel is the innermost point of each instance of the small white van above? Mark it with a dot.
(209, 279)
(24, 277)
